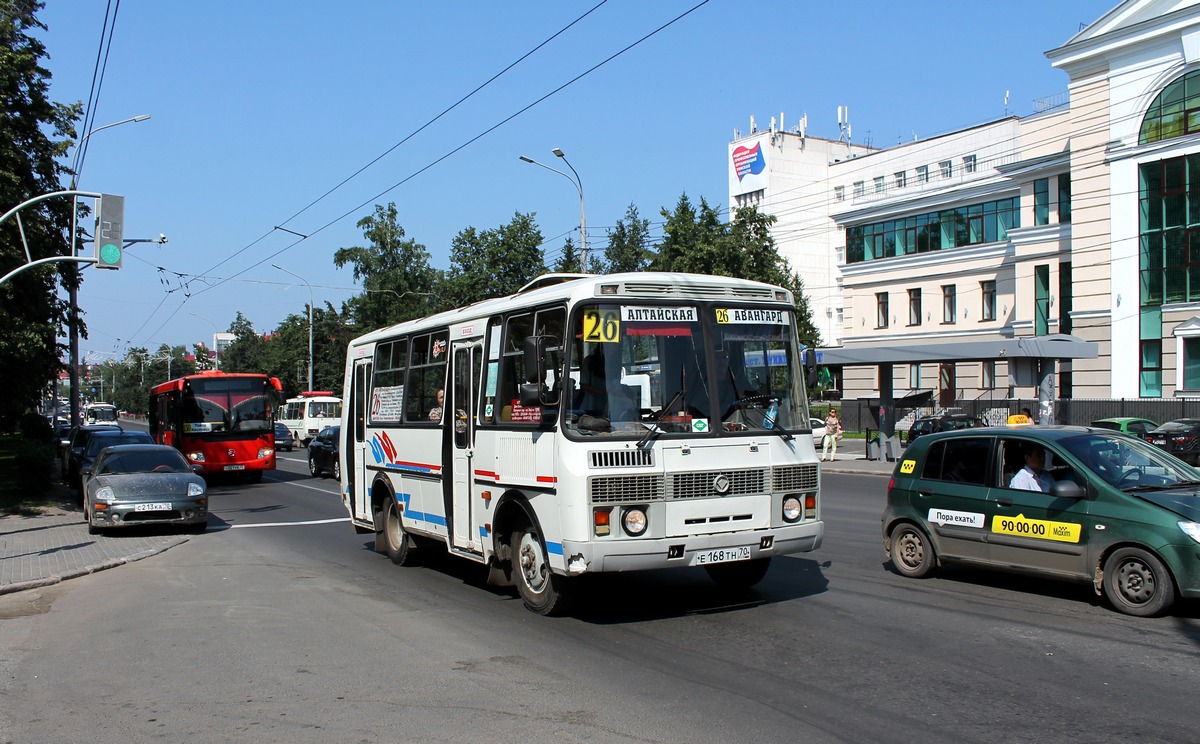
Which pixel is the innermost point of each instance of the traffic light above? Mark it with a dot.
(110, 228)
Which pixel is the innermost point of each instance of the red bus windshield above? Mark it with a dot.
(222, 405)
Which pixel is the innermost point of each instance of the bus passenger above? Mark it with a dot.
(435, 413)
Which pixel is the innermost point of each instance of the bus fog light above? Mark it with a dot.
(810, 506)
(791, 508)
(634, 521)
(600, 521)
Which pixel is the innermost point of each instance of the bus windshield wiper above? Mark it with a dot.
(652, 427)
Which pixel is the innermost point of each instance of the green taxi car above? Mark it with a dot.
(1110, 510)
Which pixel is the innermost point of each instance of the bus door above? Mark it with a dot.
(355, 441)
(467, 361)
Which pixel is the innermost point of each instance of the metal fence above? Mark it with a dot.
(859, 415)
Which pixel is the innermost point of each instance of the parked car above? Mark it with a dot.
(98, 441)
(1180, 437)
(323, 453)
(818, 428)
(284, 439)
(1137, 427)
(137, 484)
(1120, 515)
(942, 422)
(76, 442)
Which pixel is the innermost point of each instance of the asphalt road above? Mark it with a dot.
(282, 625)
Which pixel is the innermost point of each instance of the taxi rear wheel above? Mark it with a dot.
(1137, 583)
(912, 553)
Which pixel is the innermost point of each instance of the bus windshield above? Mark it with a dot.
(221, 405)
(639, 368)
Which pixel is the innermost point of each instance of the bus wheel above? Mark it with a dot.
(739, 574)
(541, 589)
(400, 547)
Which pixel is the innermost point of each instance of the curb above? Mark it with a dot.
(84, 571)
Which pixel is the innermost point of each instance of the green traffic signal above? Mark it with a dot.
(110, 226)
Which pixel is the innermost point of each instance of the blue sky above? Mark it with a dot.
(259, 108)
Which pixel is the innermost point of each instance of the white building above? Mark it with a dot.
(1080, 218)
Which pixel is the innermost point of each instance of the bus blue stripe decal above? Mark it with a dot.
(407, 468)
(417, 516)
(554, 548)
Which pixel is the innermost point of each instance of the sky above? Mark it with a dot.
(261, 110)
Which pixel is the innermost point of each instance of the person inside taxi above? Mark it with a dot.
(1032, 477)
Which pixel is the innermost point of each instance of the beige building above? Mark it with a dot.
(1078, 219)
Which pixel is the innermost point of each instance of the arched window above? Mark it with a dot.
(1175, 112)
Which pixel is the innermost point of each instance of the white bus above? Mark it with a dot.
(305, 416)
(100, 413)
(592, 423)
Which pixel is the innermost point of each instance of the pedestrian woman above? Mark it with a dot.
(833, 432)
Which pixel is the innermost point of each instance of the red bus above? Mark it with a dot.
(222, 423)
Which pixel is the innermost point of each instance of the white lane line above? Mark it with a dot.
(301, 485)
(290, 524)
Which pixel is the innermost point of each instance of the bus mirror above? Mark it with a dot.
(535, 358)
(531, 394)
(810, 366)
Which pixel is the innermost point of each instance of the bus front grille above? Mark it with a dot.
(795, 478)
(625, 489)
(704, 484)
(621, 458)
(665, 289)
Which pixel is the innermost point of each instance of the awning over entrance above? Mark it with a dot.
(1056, 346)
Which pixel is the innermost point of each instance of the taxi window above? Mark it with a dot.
(962, 460)
(1054, 469)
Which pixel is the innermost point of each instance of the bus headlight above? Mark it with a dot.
(265, 452)
(634, 521)
(791, 508)
(196, 456)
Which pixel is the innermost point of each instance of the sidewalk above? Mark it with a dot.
(54, 545)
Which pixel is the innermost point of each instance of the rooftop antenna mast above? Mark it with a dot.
(844, 131)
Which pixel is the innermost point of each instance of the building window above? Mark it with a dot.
(1041, 300)
(922, 174)
(881, 310)
(1150, 373)
(969, 163)
(750, 199)
(1065, 298)
(988, 222)
(987, 375)
(947, 168)
(1064, 197)
(914, 307)
(988, 291)
(1169, 230)
(901, 179)
(841, 253)
(1191, 362)
(1041, 201)
(949, 303)
(879, 185)
(839, 193)
(841, 316)
(914, 376)
(1174, 113)
(859, 190)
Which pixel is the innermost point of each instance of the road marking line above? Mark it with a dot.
(290, 524)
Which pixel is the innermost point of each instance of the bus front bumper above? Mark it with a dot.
(632, 554)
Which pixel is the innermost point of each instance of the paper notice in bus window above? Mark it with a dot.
(201, 427)
(526, 414)
(387, 403)
(493, 372)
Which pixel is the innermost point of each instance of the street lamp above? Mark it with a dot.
(216, 350)
(73, 292)
(578, 184)
(310, 323)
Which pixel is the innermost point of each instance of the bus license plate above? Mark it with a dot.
(152, 507)
(720, 555)
(235, 467)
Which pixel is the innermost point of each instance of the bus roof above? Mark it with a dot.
(178, 382)
(643, 286)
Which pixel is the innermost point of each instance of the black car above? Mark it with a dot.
(76, 443)
(942, 422)
(98, 441)
(284, 440)
(1180, 437)
(323, 453)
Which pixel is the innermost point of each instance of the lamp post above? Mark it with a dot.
(216, 351)
(578, 184)
(73, 292)
(310, 322)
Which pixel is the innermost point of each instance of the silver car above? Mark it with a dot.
(138, 484)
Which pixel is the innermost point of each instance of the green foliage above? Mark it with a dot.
(34, 136)
(493, 263)
(36, 428)
(399, 282)
(248, 352)
(629, 244)
(33, 460)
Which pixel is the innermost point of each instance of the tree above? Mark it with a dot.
(493, 263)
(629, 244)
(693, 241)
(34, 134)
(398, 282)
(248, 352)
